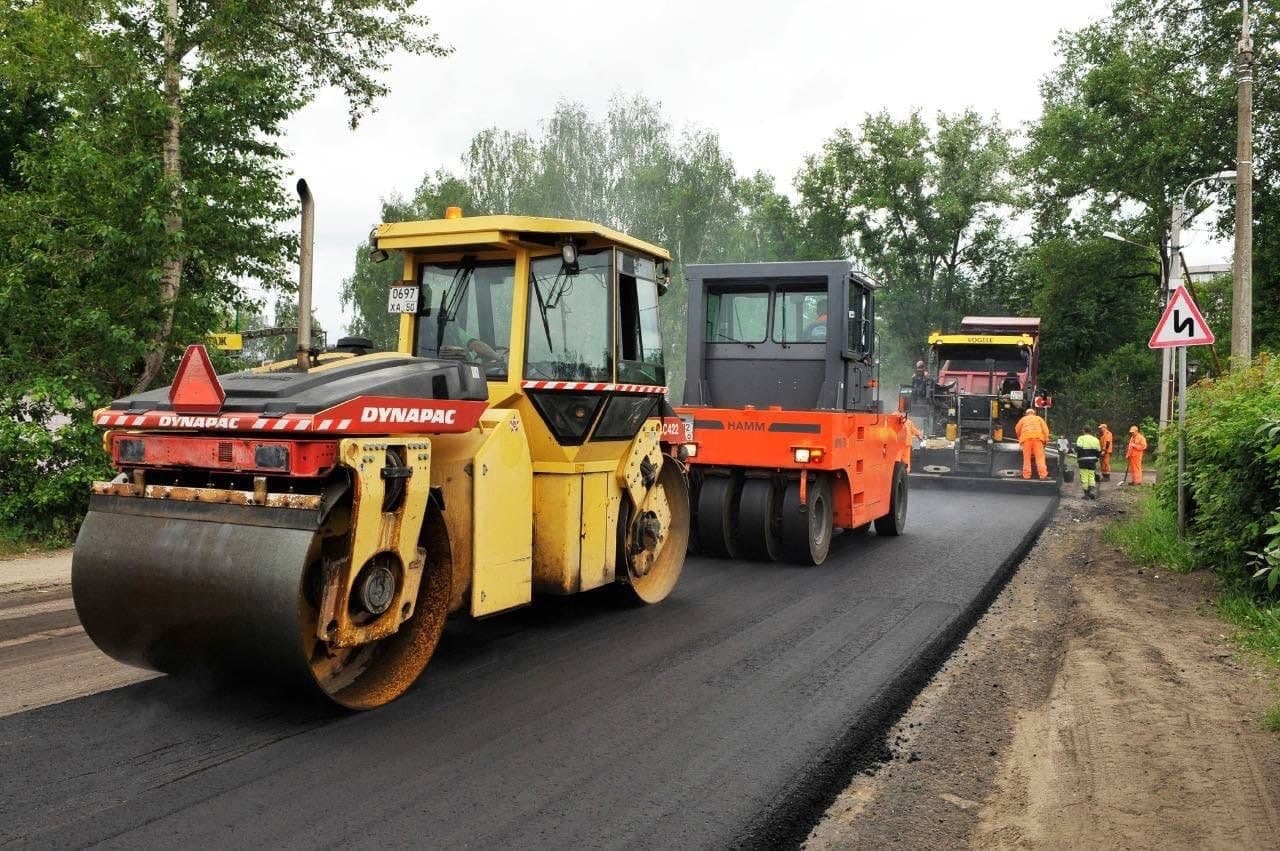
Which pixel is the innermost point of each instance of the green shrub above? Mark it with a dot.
(50, 452)
(1233, 470)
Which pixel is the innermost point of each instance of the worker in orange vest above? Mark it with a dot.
(1137, 445)
(1107, 439)
(913, 431)
(1033, 433)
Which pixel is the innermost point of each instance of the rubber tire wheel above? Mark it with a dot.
(758, 520)
(806, 532)
(895, 521)
(718, 516)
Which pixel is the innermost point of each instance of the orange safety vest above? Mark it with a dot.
(1106, 440)
(1031, 427)
(1137, 444)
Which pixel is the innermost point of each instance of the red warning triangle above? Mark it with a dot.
(1181, 325)
(196, 389)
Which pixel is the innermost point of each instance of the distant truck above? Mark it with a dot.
(981, 381)
(789, 439)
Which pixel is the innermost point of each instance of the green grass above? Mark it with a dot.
(1150, 537)
(1271, 718)
(1257, 622)
(12, 545)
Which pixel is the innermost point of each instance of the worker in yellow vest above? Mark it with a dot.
(1088, 449)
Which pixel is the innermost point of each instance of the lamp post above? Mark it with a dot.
(1166, 372)
(1175, 281)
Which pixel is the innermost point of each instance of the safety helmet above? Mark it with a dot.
(1102, 425)
(919, 364)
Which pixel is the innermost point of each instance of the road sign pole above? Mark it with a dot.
(1182, 441)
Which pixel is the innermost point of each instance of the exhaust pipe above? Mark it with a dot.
(304, 275)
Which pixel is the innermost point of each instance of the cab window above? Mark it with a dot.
(567, 336)
(737, 316)
(800, 316)
(463, 302)
(640, 358)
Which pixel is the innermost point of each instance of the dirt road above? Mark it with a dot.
(1094, 705)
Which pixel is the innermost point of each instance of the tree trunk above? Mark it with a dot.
(171, 271)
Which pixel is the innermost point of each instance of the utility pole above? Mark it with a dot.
(1242, 283)
(1168, 376)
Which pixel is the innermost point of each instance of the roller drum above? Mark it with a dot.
(176, 586)
(172, 594)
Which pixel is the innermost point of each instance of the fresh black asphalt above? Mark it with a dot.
(727, 715)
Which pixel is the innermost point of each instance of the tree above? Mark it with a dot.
(172, 115)
(365, 291)
(628, 171)
(1142, 104)
(924, 208)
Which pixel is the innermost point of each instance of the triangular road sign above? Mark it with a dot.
(1181, 325)
(196, 389)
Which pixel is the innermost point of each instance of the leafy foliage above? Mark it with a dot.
(1233, 469)
(53, 452)
(926, 209)
(140, 187)
(629, 171)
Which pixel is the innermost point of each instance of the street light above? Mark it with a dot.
(1175, 281)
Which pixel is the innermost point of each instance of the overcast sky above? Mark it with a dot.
(774, 79)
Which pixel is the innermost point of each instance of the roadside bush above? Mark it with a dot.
(50, 452)
(1233, 471)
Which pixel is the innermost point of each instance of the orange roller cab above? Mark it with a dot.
(789, 439)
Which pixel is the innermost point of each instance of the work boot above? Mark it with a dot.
(1106, 477)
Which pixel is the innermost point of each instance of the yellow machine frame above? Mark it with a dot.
(544, 517)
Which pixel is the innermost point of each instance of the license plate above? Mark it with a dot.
(403, 300)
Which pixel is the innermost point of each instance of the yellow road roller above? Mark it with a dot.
(319, 524)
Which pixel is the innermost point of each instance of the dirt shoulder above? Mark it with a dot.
(35, 571)
(1096, 704)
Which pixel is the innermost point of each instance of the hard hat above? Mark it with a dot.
(1102, 425)
(1133, 429)
(919, 364)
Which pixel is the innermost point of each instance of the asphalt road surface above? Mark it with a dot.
(729, 714)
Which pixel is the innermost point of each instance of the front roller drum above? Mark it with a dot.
(657, 536)
(175, 593)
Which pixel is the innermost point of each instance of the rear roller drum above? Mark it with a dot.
(718, 516)
(758, 520)
(191, 586)
(806, 529)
